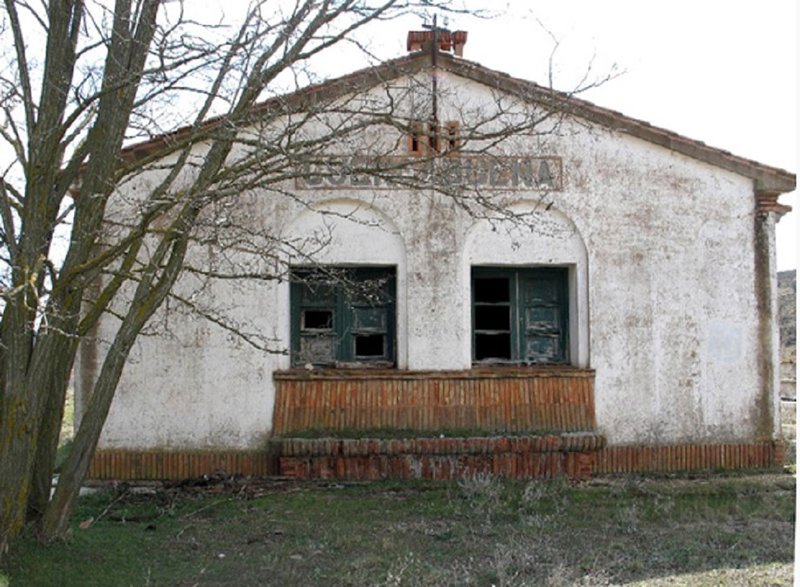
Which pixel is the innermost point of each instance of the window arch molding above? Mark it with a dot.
(534, 235)
(346, 233)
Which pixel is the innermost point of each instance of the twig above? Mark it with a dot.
(205, 507)
(89, 524)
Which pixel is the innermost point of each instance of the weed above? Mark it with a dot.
(534, 492)
(562, 575)
(537, 521)
(627, 518)
(480, 531)
(559, 576)
(483, 493)
(506, 568)
(663, 506)
(478, 485)
(542, 501)
(400, 569)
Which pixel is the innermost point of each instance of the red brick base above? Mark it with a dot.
(178, 465)
(575, 456)
(529, 457)
(690, 457)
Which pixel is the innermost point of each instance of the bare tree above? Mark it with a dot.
(107, 75)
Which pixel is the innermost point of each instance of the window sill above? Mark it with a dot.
(493, 371)
(346, 365)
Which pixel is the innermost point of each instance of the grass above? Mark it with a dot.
(711, 530)
(699, 530)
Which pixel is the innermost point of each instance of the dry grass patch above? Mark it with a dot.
(479, 531)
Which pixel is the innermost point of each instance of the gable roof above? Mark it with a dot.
(766, 179)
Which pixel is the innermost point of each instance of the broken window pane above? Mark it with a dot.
(541, 349)
(317, 320)
(369, 318)
(317, 350)
(491, 290)
(492, 346)
(492, 317)
(369, 345)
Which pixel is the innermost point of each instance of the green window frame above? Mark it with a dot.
(520, 315)
(343, 316)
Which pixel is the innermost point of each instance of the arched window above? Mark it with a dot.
(343, 316)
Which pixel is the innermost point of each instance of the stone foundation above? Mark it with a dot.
(525, 457)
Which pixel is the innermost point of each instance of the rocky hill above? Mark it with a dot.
(787, 313)
(787, 320)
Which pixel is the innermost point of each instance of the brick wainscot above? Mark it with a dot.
(375, 424)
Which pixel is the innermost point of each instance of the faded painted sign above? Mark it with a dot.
(472, 172)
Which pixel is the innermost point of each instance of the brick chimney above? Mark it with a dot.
(448, 41)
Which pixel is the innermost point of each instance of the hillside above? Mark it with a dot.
(787, 313)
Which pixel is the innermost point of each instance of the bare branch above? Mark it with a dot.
(22, 64)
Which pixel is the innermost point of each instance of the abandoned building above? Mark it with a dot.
(590, 294)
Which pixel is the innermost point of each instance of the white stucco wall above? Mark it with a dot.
(661, 260)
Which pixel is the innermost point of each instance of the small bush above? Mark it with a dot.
(483, 492)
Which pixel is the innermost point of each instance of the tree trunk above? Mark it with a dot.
(21, 395)
(55, 522)
(123, 69)
(151, 291)
(50, 425)
(16, 466)
(51, 364)
(17, 421)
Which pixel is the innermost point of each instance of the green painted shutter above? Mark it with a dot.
(520, 315)
(342, 315)
(543, 315)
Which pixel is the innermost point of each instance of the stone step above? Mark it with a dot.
(568, 455)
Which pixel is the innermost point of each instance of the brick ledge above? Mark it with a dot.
(493, 372)
(477, 445)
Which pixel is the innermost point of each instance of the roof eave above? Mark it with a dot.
(765, 178)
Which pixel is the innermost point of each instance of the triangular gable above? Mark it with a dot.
(766, 179)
